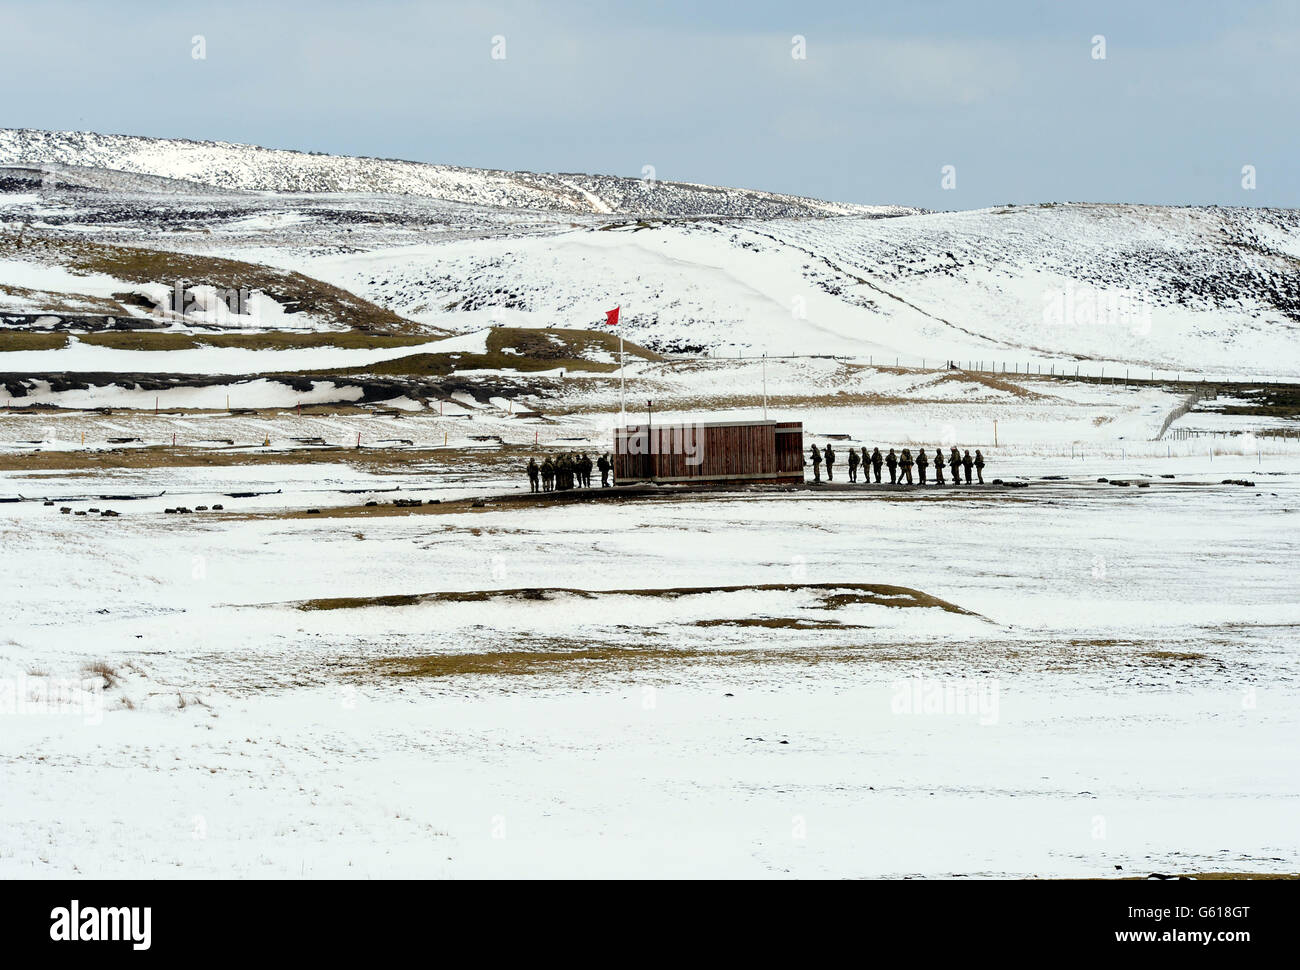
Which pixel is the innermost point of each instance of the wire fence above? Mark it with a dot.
(1110, 373)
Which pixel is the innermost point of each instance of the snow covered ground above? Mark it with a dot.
(1059, 679)
(249, 167)
(80, 356)
(1125, 694)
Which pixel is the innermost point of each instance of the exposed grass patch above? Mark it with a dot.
(991, 381)
(781, 623)
(830, 595)
(31, 340)
(275, 340)
(353, 602)
(535, 350)
(519, 662)
(74, 304)
(1170, 656)
(140, 265)
(1212, 876)
(139, 340)
(570, 658)
(165, 456)
(106, 673)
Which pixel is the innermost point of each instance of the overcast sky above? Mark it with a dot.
(1009, 93)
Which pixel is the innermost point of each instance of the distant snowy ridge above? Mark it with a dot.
(1180, 289)
(248, 167)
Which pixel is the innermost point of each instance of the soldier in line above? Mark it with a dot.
(548, 476)
(853, 465)
(892, 461)
(532, 474)
(979, 465)
(603, 464)
(954, 466)
(876, 462)
(816, 457)
(830, 462)
(938, 466)
(906, 463)
(966, 463)
(921, 463)
(586, 470)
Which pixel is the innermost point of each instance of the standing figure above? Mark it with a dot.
(603, 464)
(906, 463)
(921, 463)
(533, 472)
(966, 463)
(853, 465)
(954, 466)
(876, 462)
(816, 457)
(586, 470)
(938, 466)
(979, 465)
(830, 462)
(548, 476)
(892, 461)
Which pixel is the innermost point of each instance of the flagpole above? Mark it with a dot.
(622, 387)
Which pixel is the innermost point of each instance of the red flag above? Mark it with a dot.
(611, 316)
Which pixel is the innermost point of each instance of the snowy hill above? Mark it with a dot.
(1201, 290)
(1179, 289)
(229, 166)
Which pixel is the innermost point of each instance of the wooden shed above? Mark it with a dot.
(713, 451)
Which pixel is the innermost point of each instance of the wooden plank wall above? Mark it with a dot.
(721, 452)
(789, 449)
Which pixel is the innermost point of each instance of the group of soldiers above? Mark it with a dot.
(900, 466)
(567, 471)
